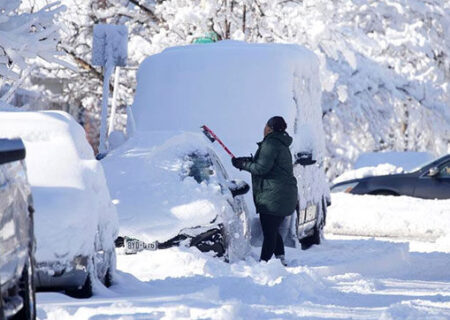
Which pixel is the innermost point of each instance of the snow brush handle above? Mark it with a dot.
(212, 136)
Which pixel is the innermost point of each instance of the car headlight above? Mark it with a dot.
(346, 187)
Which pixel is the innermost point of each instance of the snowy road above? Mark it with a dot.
(345, 278)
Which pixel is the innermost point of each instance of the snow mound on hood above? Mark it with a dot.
(380, 170)
(406, 160)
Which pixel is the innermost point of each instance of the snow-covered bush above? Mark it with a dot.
(25, 37)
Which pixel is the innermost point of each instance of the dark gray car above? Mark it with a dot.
(17, 294)
(431, 181)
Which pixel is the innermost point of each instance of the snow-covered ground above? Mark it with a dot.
(396, 276)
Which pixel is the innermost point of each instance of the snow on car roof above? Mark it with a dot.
(234, 88)
(68, 186)
(407, 160)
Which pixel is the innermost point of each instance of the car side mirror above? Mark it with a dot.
(304, 159)
(238, 187)
(433, 172)
(11, 150)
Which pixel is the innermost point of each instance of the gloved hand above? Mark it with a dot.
(239, 162)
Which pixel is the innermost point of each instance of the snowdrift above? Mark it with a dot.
(389, 216)
(69, 190)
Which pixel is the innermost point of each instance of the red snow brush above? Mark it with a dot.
(212, 137)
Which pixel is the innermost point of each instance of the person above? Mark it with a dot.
(274, 185)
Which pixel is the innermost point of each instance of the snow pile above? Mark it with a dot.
(341, 279)
(399, 217)
(406, 160)
(385, 163)
(156, 198)
(70, 195)
(380, 170)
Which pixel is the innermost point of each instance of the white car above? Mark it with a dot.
(171, 188)
(75, 221)
(233, 88)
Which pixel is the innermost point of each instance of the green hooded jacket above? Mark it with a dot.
(274, 185)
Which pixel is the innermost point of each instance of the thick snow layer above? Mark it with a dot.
(156, 198)
(380, 170)
(406, 160)
(389, 216)
(70, 194)
(384, 163)
(234, 88)
(343, 278)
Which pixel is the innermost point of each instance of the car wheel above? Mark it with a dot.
(2, 311)
(211, 240)
(313, 239)
(27, 292)
(108, 278)
(383, 193)
(85, 291)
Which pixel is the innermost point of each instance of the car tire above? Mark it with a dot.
(2, 311)
(384, 193)
(27, 292)
(108, 280)
(85, 291)
(314, 239)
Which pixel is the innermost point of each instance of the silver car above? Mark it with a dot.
(17, 294)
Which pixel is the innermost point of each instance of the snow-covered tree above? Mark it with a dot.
(384, 70)
(384, 64)
(25, 38)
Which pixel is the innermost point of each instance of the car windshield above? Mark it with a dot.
(199, 166)
(423, 165)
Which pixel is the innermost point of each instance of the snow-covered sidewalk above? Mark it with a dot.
(344, 278)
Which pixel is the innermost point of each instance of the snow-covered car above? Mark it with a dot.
(75, 220)
(170, 189)
(17, 296)
(233, 88)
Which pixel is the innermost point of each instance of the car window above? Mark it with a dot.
(218, 166)
(426, 164)
(199, 166)
(445, 170)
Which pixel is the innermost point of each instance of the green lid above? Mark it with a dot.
(210, 37)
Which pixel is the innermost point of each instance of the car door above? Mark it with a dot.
(435, 187)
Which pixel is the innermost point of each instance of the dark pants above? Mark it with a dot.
(273, 243)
